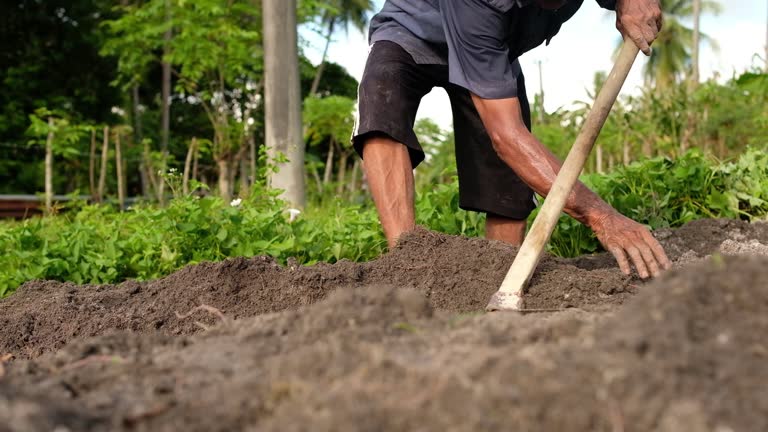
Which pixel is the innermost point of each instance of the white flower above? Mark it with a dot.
(236, 202)
(293, 214)
(172, 170)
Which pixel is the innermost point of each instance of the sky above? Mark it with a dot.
(583, 46)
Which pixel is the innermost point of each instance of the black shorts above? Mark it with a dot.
(389, 96)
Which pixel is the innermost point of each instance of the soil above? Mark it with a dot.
(401, 343)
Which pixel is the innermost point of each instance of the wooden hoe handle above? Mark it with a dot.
(510, 295)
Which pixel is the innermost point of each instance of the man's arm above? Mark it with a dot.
(538, 167)
(478, 57)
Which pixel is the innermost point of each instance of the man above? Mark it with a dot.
(470, 48)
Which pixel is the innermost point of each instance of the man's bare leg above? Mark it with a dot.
(507, 230)
(390, 178)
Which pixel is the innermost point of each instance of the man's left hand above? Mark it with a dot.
(639, 20)
(624, 238)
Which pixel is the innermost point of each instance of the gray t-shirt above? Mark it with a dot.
(479, 40)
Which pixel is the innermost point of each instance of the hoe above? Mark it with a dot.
(510, 295)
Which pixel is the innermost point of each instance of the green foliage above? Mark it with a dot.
(214, 49)
(92, 244)
(98, 245)
(210, 40)
(343, 13)
(663, 192)
(67, 137)
(49, 58)
(328, 118)
(437, 208)
(335, 80)
(670, 59)
(715, 118)
(439, 165)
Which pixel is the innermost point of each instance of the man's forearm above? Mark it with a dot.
(532, 161)
(627, 240)
(538, 167)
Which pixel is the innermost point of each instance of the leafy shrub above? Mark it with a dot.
(96, 244)
(664, 192)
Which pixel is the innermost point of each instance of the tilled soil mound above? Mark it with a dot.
(397, 344)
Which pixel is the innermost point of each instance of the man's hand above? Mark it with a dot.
(639, 20)
(624, 237)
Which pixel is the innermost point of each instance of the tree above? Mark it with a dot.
(60, 137)
(49, 57)
(165, 101)
(283, 99)
(672, 53)
(696, 42)
(330, 120)
(340, 13)
(336, 80)
(440, 156)
(214, 54)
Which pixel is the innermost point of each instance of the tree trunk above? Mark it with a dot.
(647, 148)
(611, 162)
(696, 39)
(138, 133)
(149, 171)
(321, 66)
(252, 158)
(721, 147)
(138, 138)
(625, 158)
(318, 181)
(188, 167)
(165, 121)
(690, 129)
(283, 99)
(706, 139)
(119, 169)
(104, 161)
(234, 163)
(244, 184)
(329, 163)
(353, 180)
(49, 168)
(195, 159)
(225, 187)
(541, 94)
(599, 159)
(340, 181)
(92, 166)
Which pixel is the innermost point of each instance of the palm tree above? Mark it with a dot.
(673, 50)
(340, 13)
(696, 42)
(282, 109)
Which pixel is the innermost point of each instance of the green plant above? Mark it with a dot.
(97, 244)
(664, 192)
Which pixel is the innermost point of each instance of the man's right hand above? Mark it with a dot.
(639, 20)
(625, 238)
